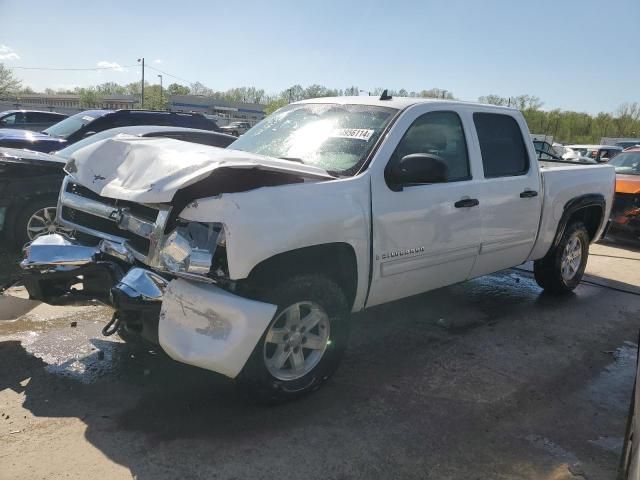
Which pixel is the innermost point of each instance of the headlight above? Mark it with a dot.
(191, 246)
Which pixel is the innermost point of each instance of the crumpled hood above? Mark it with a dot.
(152, 170)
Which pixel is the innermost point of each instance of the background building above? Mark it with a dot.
(224, 111)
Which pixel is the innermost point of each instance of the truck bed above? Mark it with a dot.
(561, 182)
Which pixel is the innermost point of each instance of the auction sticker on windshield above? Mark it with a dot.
(357, 133)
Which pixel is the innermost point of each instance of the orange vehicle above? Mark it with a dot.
(625, 213)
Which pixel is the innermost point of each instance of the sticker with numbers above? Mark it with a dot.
(356, 133)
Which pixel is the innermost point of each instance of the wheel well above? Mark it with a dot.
(335, 260)
(591, 216)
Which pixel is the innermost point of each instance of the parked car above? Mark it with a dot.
(90, 122)
(236, 128)
(628, 144)
(30, 181)
(625, 214)
(558, 152)
(29, 119)
(545, 150)
(248, 261)
(600, 153)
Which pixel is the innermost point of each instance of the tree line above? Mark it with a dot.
(565, 126)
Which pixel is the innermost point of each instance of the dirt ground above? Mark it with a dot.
(490, 379)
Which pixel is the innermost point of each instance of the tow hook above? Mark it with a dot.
(113, 325)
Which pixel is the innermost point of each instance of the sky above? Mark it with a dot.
(581, 55)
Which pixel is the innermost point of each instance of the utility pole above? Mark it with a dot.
(142, 84)
(161, 95)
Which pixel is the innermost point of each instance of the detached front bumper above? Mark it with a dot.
(194, 322)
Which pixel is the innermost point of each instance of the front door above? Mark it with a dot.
(425, 235)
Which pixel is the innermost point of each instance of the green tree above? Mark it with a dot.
(494, 100)
(437, 93)
(352, 91)
(274, 105)
(177, 89)
(111, 88)
(154, 99)
(89, 97)
(8, 82)
(198, 88)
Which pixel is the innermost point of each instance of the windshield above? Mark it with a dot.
(69, 125)
(627, 163)
(331, 136)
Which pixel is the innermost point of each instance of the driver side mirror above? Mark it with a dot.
(419, 168)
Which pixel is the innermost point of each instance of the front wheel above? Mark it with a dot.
(561, 270)
(303, 345)
(37, 217)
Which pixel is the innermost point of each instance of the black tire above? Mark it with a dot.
(256, 382)
(548, 270)
(17, 233)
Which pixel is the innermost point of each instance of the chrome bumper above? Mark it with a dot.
(194, 322)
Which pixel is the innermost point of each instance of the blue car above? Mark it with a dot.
(36, 120)
(89, 122)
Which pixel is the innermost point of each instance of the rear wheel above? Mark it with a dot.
(303, 345)
(561, 270)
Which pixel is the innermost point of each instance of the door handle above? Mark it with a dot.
(466, 203)
(528, 194)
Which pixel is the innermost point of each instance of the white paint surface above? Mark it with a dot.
(205, 326)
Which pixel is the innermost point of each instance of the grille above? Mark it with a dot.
(141, 211)
(118, 220)
(105, 226)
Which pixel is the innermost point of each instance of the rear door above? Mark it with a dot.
(510, 193)
(424, 235)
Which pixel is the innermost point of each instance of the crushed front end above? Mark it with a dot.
(166, 278)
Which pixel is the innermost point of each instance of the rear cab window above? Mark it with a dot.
(504, 153)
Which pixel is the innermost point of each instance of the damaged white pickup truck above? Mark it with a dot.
(247, 261)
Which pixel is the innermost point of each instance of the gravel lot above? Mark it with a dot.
(490, 379)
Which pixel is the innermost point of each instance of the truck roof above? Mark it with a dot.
(395, 102)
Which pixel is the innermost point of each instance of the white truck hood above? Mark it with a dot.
(153, 169)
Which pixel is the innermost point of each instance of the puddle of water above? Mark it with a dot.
(611, 389)
(552, 448)
(611, 444)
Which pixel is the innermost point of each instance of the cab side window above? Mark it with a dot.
(440, 135)
(501, 144)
